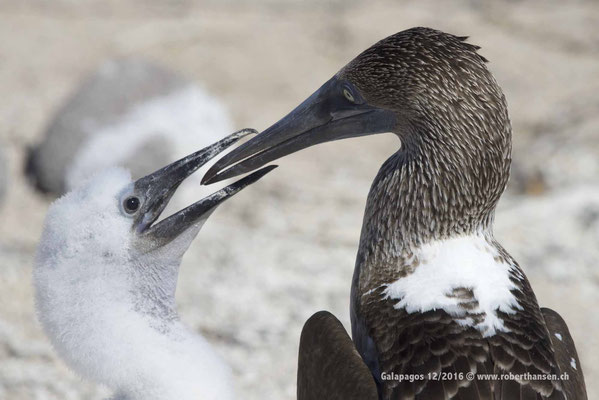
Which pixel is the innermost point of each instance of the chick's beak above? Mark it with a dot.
(158, 188)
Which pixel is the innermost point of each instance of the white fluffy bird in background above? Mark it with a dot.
(105, 277)
(129, 113)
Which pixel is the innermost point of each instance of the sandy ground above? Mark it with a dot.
(294, 235)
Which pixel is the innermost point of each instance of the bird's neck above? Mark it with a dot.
(438, 186)
(123, 331)
(170, 361)
(154, 286)
(173, 365)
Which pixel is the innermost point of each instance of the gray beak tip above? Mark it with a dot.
(211, 174)
(244, 132)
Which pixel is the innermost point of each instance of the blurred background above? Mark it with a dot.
(90, 83)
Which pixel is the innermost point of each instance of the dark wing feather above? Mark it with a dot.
(329, 366)
(565, 351)
(432, 347)
(525, 349)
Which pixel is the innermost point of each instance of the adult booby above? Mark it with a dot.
(434, 296)
(105, 277)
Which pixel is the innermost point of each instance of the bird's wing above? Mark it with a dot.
(565, 355)
(329, 366)
(441, 353)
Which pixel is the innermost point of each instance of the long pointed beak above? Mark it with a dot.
(324, 116)
(156, 190)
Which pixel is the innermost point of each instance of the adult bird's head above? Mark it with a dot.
(430, 88)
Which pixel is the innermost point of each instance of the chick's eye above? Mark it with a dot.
(348, 95)
(131, 204)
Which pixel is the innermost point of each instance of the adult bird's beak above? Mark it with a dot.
(328, 114)
(156, 190)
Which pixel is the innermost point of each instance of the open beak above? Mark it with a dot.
(157, 189)
(324, 116)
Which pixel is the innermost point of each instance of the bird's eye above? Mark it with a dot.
(131, 204)
(348, 95)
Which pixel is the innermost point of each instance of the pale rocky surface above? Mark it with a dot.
(285, 247)
(3, 174)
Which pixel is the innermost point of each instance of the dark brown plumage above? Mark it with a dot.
(565, 354)
(329, 367)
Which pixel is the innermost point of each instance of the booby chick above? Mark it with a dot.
(105, 276)
(435, 298)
